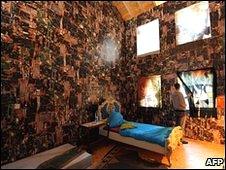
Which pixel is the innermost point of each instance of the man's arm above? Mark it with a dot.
(182, 101)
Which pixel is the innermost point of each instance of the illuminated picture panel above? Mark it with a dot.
(149, 91)
(193, 23)
(200, 83)
(148, 38)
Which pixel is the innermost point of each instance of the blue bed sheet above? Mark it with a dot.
(147, 132)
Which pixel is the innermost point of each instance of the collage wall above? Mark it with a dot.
(172, 58)
(54, 65)
(60, 58)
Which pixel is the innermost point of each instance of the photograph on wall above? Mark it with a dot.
(149, 91)
(150, 45)
(193, 23)
(201, 84)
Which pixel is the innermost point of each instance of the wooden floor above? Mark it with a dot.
(99, 153)
(188, 156)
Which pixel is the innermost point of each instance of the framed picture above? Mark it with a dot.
(193, 23)
(149, 91)
(148, 41)
(201, 84)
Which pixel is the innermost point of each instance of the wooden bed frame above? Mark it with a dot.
(165, 151)
(171, 143)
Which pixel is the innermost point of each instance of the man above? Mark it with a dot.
(179, 106)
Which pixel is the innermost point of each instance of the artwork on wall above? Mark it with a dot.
(193, 23)
(148, 41)
(149, 91)
(201, 84)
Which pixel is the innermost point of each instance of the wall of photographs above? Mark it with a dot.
(54, 66)
(192, 54)
(53, 52)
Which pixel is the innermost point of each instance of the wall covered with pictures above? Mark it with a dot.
(54, 64)
(58, 58)
(189, 52)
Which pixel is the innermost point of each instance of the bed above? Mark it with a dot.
(159, 139)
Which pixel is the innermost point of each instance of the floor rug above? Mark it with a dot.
(61, 160)
(120, 157)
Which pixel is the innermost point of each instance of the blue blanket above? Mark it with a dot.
(146, 132)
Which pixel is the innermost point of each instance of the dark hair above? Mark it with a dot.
(177, 86)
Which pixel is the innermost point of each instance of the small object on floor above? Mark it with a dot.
(184, 142)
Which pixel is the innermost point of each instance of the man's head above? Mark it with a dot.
(177, 86)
